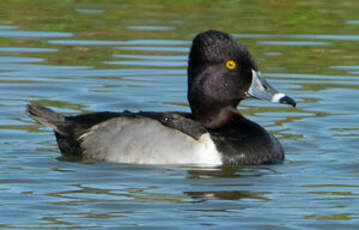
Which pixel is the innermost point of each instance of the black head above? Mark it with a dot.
(221, 73)
(213, 49)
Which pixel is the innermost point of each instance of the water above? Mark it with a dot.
(83, 56)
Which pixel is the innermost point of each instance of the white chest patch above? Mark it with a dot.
(147, 141)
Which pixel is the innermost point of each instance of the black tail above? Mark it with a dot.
(45, 116)
(67, 143)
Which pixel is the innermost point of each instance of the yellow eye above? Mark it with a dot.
(231, 65)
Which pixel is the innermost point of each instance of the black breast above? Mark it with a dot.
(243, 142)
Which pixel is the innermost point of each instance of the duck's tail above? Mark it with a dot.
(45, 116)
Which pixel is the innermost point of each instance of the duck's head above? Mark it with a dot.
(222, 73)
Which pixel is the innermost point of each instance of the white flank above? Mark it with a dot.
(147, 141)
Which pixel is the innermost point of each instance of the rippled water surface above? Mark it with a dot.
(83, 56)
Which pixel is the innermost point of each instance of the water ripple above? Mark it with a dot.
(32, 34)
(20, 60)
(89, 11)
(150, 28)
(152, 57)
(26, 50)
(352, 22)
(113, 43)
(6, 27)
(298, 36)
(156, 49)
(292, 43)
(148, 63)
(347, 67)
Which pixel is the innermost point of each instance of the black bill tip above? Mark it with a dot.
(288, 100)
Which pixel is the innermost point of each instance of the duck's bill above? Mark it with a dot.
(260, 89)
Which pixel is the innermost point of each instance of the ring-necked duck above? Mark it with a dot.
(221, 73)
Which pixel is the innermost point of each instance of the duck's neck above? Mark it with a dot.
(216, 118)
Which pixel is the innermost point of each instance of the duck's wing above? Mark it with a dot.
(177, 120)
(71, 131)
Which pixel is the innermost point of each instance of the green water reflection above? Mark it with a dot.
(186, 18)
(308, 48)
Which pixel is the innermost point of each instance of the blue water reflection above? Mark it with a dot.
(84, 56)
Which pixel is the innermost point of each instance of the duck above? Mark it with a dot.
(221, 73)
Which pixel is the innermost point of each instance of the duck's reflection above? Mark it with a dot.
(230, 172)
(229, 180)
(225, 195)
